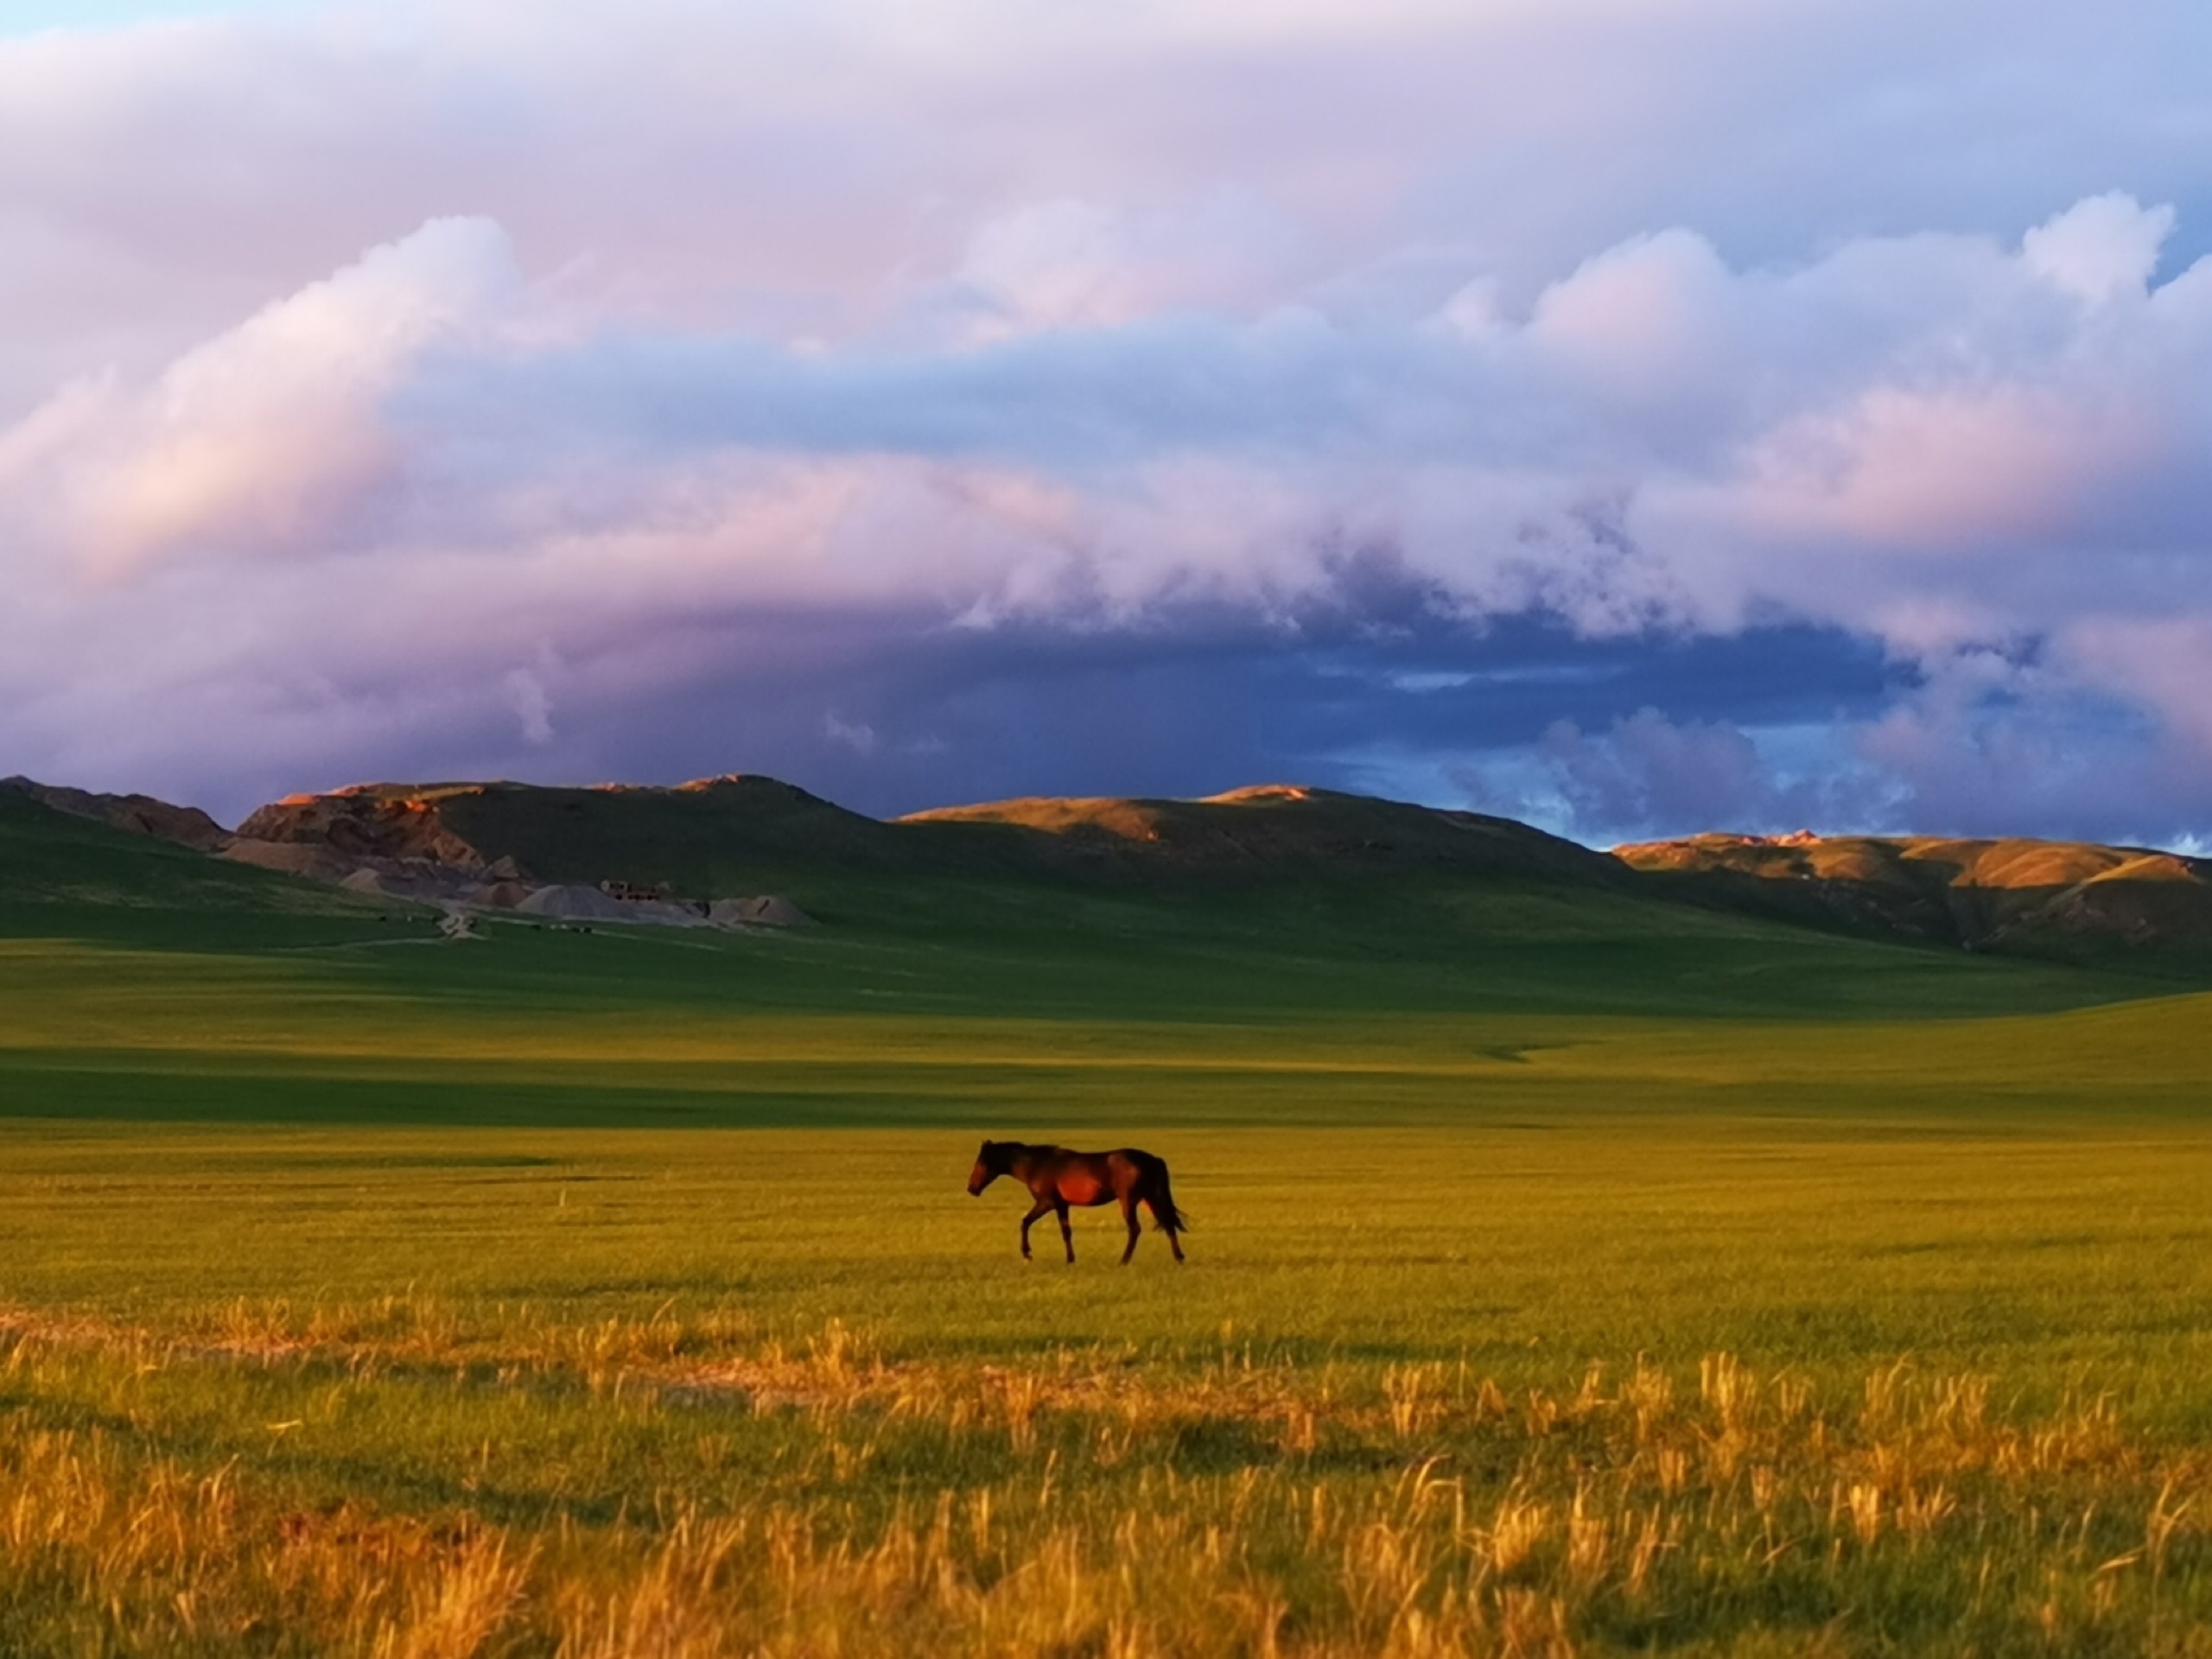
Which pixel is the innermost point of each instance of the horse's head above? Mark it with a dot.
(990, 1164)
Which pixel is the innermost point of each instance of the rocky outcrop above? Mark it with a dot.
(368, 822)
(399, 840)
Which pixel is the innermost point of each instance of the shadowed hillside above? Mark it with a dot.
(143, 814)
(1279, 828)
(743, 834)
(64, 873)
(1270, 904)
(1224, 897)
(2035, 896)
(710, 834)
(697, 837)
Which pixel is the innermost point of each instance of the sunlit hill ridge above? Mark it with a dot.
(494, 843)
(2006, 893)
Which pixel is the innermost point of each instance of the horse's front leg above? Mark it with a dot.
(1040, 1208)
(1129, 1215)
(1067, 1233)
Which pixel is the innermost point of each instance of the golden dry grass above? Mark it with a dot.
(1084, 1505)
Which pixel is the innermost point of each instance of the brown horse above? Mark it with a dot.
(1056, 1178)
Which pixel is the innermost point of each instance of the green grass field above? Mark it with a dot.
(1570, 1275)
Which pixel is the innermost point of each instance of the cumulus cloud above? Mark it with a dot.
(267, 438)
(1648, 773)
(855, 398)
(2101, 250)
(526, 693)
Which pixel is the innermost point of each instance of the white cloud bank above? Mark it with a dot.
(753, 366)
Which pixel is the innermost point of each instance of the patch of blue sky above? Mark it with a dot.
(1420, 680)
(1516, 782)
(46, 17)
(1797, 752)
(1797, 767)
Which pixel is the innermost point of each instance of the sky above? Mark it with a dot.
(1637, 416)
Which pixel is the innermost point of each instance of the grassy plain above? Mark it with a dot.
(1569, 1276)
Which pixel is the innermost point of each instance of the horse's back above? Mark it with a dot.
(1086, 1178)
(1134, 1169)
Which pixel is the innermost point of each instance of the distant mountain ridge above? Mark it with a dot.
(2013, 893)
(1278, 825)
(705, 835)
(750, 833)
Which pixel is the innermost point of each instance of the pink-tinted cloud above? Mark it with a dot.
(466, 385)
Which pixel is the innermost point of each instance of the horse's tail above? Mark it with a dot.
(1164, 1214)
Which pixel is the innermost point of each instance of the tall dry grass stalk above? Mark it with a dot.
(1079, 1505)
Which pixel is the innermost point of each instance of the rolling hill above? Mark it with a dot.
(703, 835)
(695, 837)
(143, 814)
(751, 833)
(1278, 828)
(2028, 897)
(1330, 878)
(1016, 960)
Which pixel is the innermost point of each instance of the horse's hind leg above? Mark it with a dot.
(1163, 1219)
(1067, 1233)
(1040, 1208)
(1129, 1215)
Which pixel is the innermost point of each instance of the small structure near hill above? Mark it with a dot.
(635, 892)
